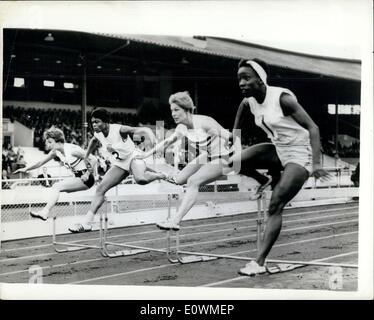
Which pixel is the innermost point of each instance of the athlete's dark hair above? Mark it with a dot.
(101, 114)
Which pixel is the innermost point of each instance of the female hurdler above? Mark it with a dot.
(208, 139)
(69, 155)
(116, 140)
(294, 147)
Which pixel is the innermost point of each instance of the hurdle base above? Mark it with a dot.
(193, 258)
(124, 253)
(283, 267)
(72, 247)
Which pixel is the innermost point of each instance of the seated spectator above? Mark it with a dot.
(355, 177)
(46, 182)
(21, 163)
(10, 158)
(4, 177)
(20, 152)
(4, 162)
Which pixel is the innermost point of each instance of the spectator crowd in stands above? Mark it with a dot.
(352, 151)
(69, 121)
(12, 160)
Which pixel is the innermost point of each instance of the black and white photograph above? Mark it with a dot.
(181, 148)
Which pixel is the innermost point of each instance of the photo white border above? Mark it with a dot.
(321, 25)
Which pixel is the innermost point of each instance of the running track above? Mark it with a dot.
(324, 233)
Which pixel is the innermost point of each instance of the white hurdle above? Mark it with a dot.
(175, 257)
(184, 257)
(61, 247)
(173, 253)
(70, 246)
(130, 248)
(281, 265)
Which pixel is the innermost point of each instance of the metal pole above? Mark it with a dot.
(259, 202)
(336, 132)
(84, 103)
(196, 96)
(54, 230)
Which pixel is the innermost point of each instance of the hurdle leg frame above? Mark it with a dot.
(132, 249)
(105, 252)
(61, 247)
(176, 257)
(169, 253)
(190, 256)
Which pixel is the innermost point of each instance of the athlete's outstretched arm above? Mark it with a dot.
(213, 128)
(38, 164)
(292, 108)
(161, 146)
(91, 160)
(240, 113)
(141, 131)
(81, 154)
(239, 120)
(90, 149)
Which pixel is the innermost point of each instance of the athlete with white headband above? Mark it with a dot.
(294, 147)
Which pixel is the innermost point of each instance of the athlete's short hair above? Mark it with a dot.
(183, 100)
(100, 113)
(55, 134)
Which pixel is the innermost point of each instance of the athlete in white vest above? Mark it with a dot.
(208, 141)
(69, 155)
(116, 142)
(294, 147)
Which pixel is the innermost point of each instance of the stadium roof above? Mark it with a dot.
(327, 66)
(115, 62)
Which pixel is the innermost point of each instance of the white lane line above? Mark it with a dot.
(286, 222)
(298, 242)
(213, 284)
(171, 265)
(235, 253)
(124, 273)
(53, 266)
(181, 236)
(185, 228)
(336, 256)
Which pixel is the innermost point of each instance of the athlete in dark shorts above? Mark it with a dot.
(69, 155)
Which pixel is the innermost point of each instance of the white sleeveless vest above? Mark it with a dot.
(71, 162)
(123, 148)
(281, 130)
(199, 141)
